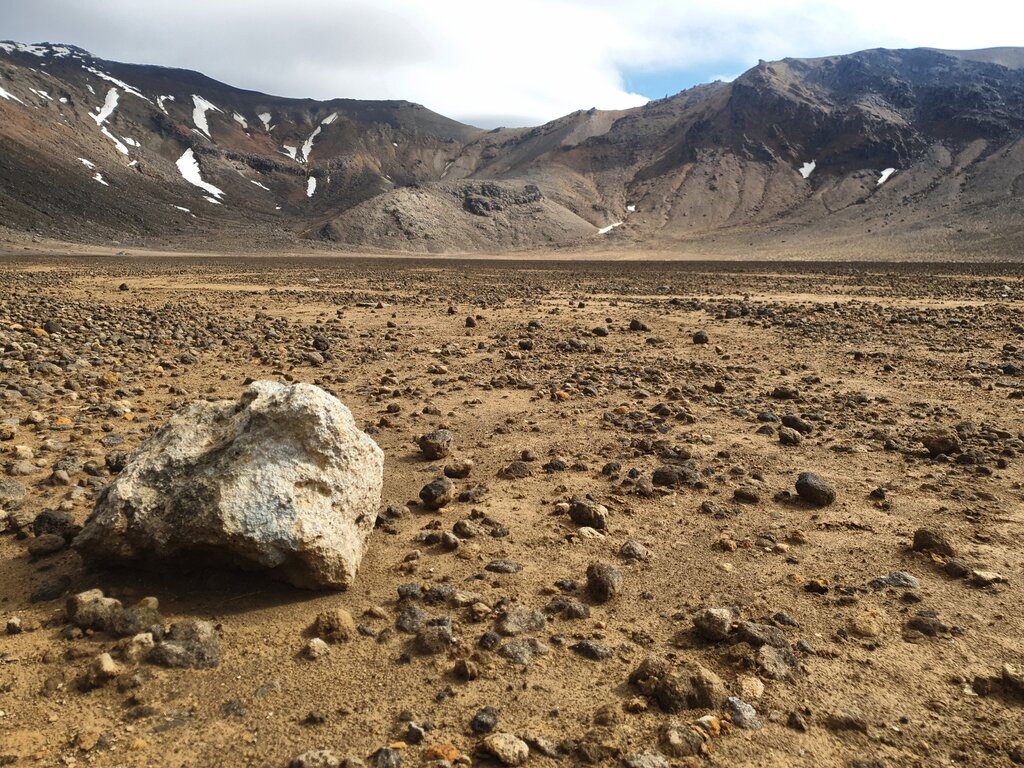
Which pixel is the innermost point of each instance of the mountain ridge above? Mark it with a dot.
(719, 160)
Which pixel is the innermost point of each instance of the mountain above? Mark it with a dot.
(880, 152)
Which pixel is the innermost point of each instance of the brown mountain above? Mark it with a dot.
(878, 152)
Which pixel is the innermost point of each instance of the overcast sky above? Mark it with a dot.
(514, 63)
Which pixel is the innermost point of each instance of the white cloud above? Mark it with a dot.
(525, 62)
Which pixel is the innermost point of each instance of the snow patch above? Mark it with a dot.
(290, 151)
(885, 176)
(160, 102)
(87, 163)
(261, 186)
(10, 96)
(63, 100)
(109, 105)
(807, 168)
(609, 228)
(202, 106)
(329, 119)
(133, 163)
(631, 208)
(183, 208)
(91, 89)
(120, 83)
(307, 146)
(310, 186)
(265, 119)
(213, 200)
(189, 168)
(44, 94)
(117, 142)
(99, 177)
(240, 120)
(131, 142)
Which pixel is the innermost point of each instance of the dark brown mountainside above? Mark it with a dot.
(884, 149)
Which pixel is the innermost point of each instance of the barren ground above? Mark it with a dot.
(873, 357)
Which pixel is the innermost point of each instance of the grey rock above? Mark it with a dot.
(437, 493)
(188, 644)
(603, 581)
(815, 489)
(743, 715)
(519, 620)
(281, 481)
(437, 444)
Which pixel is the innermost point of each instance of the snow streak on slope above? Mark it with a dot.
(117, 142)
(160, 102)
(10, 96)
(199, 114)
(189, 167)
(120, 83)
(265, 119)
(885, 176)
(240, 120)
(310, 186)
(99, 177)
(109, 105)
(609, 228)
(807, 168)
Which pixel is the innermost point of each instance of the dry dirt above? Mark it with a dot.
(870, 357)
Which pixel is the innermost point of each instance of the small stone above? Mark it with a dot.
(603, 581)
(867, 624)
(789, 436)
(929, 540)
(645, 760)
(589, 649)
(815, 489)
(91, 610)
(318, 758)
(503, 566)
(940, 441)
(335, 626)
(680, 740)
(188, 644)
(715, 623)
(458, 469)
(101, 671)
(981, 578)
(743, 715)
(316, 648)
(47, 544)
(517, 470)
(588, 513)
(436, 637)
(700, 337)
(484, 721)
(899, 579)
(634, 550)
(437, 444)
(517, 621)
(506, 748)
(437, 493)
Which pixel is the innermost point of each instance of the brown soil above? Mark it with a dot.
(877, 354)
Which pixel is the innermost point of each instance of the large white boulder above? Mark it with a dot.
(281, 480)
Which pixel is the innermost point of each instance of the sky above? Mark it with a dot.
(516, 63)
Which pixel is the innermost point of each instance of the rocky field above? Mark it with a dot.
(632, 515)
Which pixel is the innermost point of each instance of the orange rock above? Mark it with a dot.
(441, 752)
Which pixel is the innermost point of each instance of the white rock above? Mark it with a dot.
(281, 481)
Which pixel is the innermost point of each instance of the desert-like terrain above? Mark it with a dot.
(653, 418)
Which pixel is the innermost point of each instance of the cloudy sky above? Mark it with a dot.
(514, 63)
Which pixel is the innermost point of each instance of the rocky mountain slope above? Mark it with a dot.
(881, 150)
